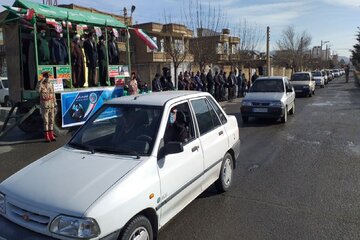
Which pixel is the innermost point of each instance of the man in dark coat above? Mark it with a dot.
(113, 51)
(77, 59)
(43, 49)
(103, 67)
(91, 59)
(210, 82)
(203, 81)
(59, 51)
(156, 84)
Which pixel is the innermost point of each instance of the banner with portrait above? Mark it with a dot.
(78, 106)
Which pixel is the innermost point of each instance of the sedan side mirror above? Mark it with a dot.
(170, 148)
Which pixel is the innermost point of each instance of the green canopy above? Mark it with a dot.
(70, 14)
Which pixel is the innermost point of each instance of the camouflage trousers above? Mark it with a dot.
(48, 116)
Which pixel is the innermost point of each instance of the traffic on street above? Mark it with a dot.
(292, 181)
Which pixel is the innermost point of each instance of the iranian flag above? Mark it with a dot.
(68, 23)
(51, 22)
(146, 39)
(28, 14)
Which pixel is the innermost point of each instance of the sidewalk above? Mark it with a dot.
(230, 102)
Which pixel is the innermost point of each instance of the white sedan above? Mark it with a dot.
(125, 173)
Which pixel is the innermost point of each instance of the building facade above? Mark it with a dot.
(147, 62)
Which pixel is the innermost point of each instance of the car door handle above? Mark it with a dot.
(221, 133)
(195, 148)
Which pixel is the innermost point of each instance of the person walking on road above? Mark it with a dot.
(347, 72)
(47, 105)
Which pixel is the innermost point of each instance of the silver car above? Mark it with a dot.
(269, 97)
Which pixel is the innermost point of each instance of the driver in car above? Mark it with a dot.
(176, 130)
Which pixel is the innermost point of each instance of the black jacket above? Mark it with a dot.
(113, 53)
(59, 51)
(91, 53)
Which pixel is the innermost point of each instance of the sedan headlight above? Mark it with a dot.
(2, 203)
(246, 103)
(75, 227)
(275, 104)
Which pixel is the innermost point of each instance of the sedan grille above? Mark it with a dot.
(24, 216)
(260, 104)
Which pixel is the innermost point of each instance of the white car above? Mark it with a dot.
(269, 97)
(303, 83)
(4, 93)
(319, 78)
(123, 175)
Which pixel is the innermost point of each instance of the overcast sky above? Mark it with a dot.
(335, 21)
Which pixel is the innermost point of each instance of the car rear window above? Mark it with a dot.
(267, 85)
(300, 77)
(316, 74)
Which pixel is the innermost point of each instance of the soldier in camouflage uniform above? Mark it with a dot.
(47, 106)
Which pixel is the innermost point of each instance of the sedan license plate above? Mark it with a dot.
(260, 110)
(298, 90)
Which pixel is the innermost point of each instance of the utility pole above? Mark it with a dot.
(268, 51)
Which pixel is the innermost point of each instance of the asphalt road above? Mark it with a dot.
(298, 180)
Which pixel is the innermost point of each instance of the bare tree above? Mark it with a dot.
(206, 21)
(175, 46)
(291, 48)
(252, 38)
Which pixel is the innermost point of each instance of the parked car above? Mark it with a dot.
(319, 78)
(336, 72)
(303, 83)
(4, 92)
(269, 97)
(329, 74)
(125, 173)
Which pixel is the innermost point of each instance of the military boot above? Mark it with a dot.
(52, 136)
(47, 136)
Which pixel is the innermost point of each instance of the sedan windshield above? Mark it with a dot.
(120, 129)
(267, 85)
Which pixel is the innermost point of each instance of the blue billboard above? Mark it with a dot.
(78, 106)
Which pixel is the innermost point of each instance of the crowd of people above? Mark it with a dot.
(221, 85)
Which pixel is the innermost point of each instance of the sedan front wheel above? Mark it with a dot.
(139, 228)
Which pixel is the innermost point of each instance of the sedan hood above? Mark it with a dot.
(262, 96)
(67, 181)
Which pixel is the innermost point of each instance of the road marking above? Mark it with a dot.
(354, 148)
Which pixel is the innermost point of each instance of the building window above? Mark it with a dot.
(179, 45)
(219, 49)
(233, 49)
(162, 42)
(226, 48)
